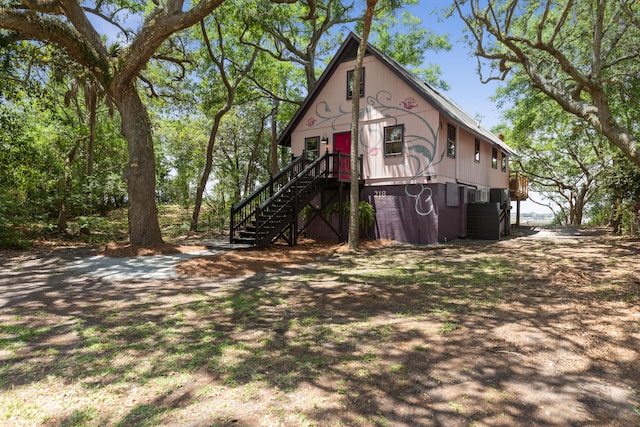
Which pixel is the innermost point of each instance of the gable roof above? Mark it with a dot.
(441, 102)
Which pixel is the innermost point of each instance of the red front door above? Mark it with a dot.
(342, 143)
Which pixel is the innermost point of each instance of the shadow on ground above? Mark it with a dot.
(528, 331)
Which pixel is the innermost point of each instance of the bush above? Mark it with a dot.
(366, 212)
(628, 218)
(11, 237)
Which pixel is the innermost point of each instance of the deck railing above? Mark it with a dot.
(518, 187)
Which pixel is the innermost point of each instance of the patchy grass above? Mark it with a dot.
(402, 335)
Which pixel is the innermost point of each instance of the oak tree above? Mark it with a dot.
(116, 67)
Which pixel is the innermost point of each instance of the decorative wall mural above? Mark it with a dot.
(417, 194)
(421, 143)
(421, 147)
(409, 103)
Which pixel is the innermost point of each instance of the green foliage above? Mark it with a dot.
(12, 237)
(564, 158)
(242, 157)
(623, 179)
(29, 164)
(629, 219)
(622, 196)
(44, 113)
(181, 145)
(303, 33)
(366, 212)
(599, 211)
(45, 142)
(577, 53)
(21, 233)
(447, 328)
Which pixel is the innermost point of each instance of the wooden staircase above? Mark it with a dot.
(273, 209)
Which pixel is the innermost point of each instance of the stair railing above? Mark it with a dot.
(246, 209)
(277, 203)
(340, 166)
(290, 199)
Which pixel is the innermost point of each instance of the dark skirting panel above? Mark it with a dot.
(404, 213)
(413, 213)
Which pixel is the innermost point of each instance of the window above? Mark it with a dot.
(350, 84)
(393, 138)
(494, 158)
(451, 141)
(311, 146)
(504, 161)
(476, 156)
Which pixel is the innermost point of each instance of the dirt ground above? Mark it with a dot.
(542, 328)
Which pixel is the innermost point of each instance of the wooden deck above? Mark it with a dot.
(518, 187)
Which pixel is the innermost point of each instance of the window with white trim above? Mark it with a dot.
(311, 146)
(393, 139)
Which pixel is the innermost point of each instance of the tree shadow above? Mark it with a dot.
(518, 332)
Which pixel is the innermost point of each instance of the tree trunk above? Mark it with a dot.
(144, 228)
(354, 218)
(616, 215)
(572, 212)
(231, 86)
(252, 159)
(581, 200)
(204, 178)
(92, 98)
(274, 138)
(67, 179)
(62, 209)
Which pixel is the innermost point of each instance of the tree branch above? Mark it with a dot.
(32, 26)
(78, 19)
(633, 16)
(152, 90)
(180, 63)
(109, 19)
(156, 30)
(50, 7)
(562, 66)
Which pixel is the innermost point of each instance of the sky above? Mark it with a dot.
(458, 66)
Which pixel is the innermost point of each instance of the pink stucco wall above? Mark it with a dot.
(388, 101)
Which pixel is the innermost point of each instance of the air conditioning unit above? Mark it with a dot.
(500, 195)
(482, 196)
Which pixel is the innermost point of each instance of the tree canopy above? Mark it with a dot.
(564, 158)
(581, 54)
(571, 71)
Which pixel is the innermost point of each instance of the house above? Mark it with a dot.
(431, 172)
